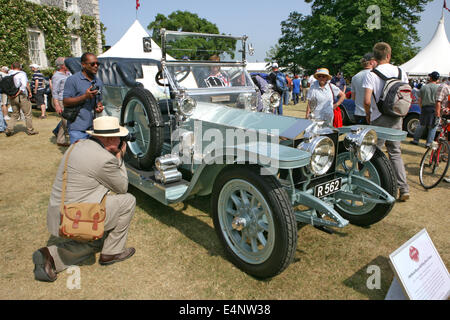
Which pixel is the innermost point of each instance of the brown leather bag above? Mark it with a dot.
(81, 221)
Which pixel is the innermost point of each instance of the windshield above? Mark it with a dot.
(190, 76)
(201, 47)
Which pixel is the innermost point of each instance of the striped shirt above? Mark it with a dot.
(40, 78)
(442, 94)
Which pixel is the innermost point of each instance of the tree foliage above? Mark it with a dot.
(194, 47)
(17, 15)
(336, 34)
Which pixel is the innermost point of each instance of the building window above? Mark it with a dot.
(36, 48)
(69, 5)
(75, 44)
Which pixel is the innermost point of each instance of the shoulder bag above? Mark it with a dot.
(81, 221)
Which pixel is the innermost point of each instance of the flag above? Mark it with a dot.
(445, 6)
(137, 4)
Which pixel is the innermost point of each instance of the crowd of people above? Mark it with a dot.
(93, 168)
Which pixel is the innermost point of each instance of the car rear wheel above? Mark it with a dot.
(410, 123)
(141, 115)
(254, 221)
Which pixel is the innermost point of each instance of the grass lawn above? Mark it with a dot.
(178, 253)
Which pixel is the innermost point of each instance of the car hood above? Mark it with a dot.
(283, 126)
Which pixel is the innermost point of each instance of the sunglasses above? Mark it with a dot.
(321, 76)
(94, 64)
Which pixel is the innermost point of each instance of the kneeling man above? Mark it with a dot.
(95, 168)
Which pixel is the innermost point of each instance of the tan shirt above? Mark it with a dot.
(92, 171)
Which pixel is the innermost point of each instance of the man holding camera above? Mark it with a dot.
(82, 95)
(95, 169)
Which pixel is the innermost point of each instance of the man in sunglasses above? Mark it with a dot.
(82, 91)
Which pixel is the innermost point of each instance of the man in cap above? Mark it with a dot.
(427, 102)
(273, 80)
(95, 168)
(368, 62)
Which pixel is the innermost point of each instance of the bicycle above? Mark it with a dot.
(435, 161)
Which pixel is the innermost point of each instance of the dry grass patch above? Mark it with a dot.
(178, 253)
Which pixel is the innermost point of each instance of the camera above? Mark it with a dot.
(95, 87)
(131, 137)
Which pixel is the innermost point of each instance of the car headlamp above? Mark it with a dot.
(271, 99)
(186, 106)
(363, 142)
(322, 153)
(247, 100)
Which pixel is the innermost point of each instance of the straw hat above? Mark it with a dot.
(107, 127)
(323, 71)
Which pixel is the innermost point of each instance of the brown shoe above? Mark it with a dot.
(44, 266)
(106, 259)
(63, 144)
(403, 197)
(31, 133)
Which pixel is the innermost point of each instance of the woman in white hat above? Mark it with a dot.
(321, 97)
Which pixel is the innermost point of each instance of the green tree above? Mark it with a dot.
(195, 48)
(336, 34)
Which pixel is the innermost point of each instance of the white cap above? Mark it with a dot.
(274, 65)
(34, 65)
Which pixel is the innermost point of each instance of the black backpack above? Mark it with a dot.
(7, 85)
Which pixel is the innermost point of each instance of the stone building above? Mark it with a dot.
(78, 8)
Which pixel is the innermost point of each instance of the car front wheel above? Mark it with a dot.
(254, 221)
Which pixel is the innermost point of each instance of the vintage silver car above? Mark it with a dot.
(196, 131)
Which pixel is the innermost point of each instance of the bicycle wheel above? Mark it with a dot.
(434, 165)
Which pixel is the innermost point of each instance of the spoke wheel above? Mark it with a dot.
(254, 221)
(140, 114)
(378, 170)
(434, 165)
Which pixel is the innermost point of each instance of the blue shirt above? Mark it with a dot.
(340, 83)
(296, 85)
(75, 86)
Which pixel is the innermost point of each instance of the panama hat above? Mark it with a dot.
(107, 127)
(323, 71)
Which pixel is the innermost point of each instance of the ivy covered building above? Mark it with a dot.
(39, 31)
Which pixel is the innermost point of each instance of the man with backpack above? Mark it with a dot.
(16, 86)
(389, 86)
(279, 84)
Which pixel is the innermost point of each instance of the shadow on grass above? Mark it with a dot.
(360, 279)
(55, 241)
(193, 228)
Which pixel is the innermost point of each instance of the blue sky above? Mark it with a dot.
(258, 19)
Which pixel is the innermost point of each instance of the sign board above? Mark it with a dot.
(420, 270)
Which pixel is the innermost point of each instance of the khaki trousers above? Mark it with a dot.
(393, 149)
(62, 132)
(119, 212)
(18, 103)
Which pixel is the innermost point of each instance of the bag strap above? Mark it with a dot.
(379, 74)
(399, 73)
(332, 93)
(64, 186)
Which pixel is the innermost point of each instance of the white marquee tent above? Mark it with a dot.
(131, 45)
(435, 56)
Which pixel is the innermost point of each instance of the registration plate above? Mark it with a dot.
(324, 189)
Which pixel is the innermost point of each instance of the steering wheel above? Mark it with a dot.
(180, 75)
